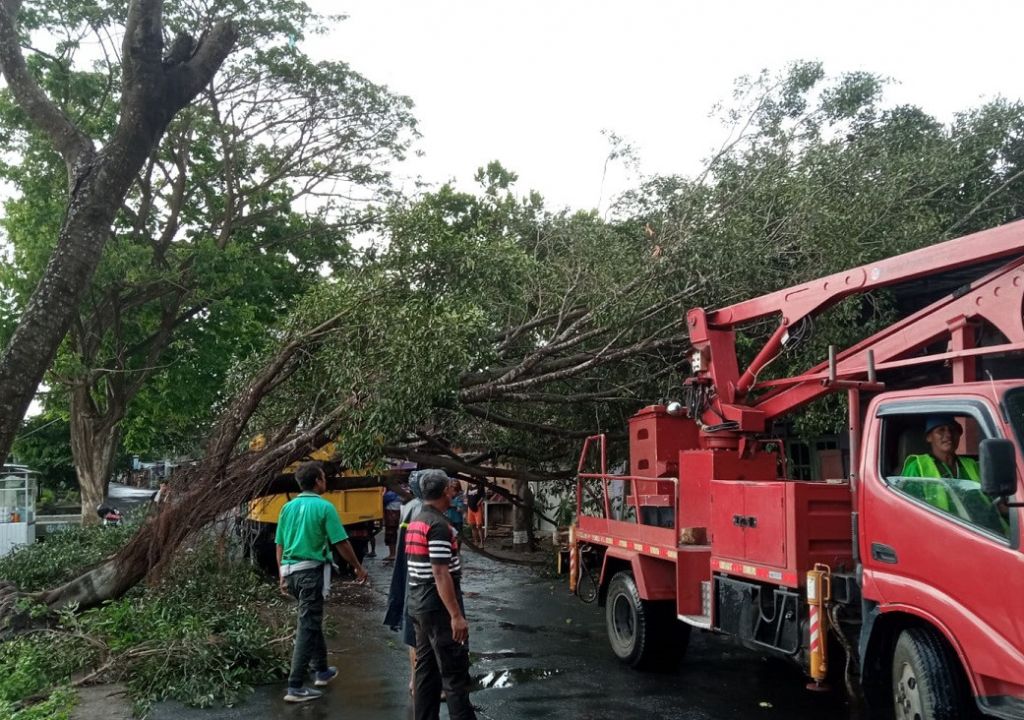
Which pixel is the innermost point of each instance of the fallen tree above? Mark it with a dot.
(283, 395)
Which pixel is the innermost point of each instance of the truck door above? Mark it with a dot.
(955, 563)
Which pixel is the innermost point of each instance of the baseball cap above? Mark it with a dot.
(935, 421)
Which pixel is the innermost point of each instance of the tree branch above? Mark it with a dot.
(562, 368)
(68, 140)
(188, 78)
(506, 421)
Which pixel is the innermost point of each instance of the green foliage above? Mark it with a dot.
(234, 216)
(57, 706)
(821, 175)
(392, 359)
(208, 632)
(44, 445)
(63, 556)
(204, 636)
(32, 664)
(528, 273)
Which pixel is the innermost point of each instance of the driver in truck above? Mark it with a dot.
(958, 491)
(942, 433)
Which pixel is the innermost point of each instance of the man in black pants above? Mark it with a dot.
(442, 634)
(306, 529)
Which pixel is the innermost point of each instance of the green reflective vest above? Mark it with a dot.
(974, 506)
(925, 466)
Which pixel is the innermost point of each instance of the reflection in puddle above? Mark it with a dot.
(499, 655)
(511, 677)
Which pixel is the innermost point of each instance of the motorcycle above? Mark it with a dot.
(109, 515)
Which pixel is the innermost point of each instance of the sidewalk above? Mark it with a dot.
(110, 702)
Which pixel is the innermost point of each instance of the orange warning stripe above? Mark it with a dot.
(647, 549)
(782, 577)
(772, 575)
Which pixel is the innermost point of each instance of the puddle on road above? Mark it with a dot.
(511, 677)
(499, 655)
(564, 633)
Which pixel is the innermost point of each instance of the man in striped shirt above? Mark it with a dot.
(435, 604)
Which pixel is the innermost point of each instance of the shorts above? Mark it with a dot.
(475, 517)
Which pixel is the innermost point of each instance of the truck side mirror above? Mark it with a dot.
(998, 461)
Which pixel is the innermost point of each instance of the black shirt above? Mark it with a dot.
(473, 498)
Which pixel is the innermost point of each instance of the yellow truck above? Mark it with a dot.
(361, 509)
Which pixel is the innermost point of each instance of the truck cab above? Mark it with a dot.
(944, 579)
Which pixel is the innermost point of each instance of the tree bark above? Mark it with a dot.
(94, 442)
(153, 91)
(522, 517)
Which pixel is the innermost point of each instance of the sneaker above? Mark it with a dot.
(371, 554)
(302, 694)
(322, 678)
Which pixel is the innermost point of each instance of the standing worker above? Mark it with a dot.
(306, 530)
(442, 633)
(456, 512)
(392, 519)
(397, 615)
(475, 514)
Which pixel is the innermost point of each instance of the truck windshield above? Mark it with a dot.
(1014, 402)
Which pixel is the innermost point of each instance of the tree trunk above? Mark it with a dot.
(154, 89)
(94, 442)
(91, 210)
(107, 581)
(522, 516)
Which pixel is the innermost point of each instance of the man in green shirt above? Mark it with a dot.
(306, 530)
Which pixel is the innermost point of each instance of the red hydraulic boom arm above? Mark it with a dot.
(995, 298)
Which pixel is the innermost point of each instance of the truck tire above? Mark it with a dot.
(926, 680)
(359, 546)
(643, 634)
(259, 543)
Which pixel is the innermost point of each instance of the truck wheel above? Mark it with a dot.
(643, 634)
(259, 543)
(926, 681)
(359, 547)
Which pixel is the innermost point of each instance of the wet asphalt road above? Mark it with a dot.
(538, 653)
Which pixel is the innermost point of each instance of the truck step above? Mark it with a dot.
(698, 621)
(701, 621)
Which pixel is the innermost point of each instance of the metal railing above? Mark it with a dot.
(585, 481)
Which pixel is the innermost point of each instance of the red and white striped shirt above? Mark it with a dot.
(430, 540)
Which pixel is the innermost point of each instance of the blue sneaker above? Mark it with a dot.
(301, 694)
(322, 678)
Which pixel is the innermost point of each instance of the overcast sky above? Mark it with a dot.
(533, 83)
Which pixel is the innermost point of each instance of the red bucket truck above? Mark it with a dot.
(922, 599)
